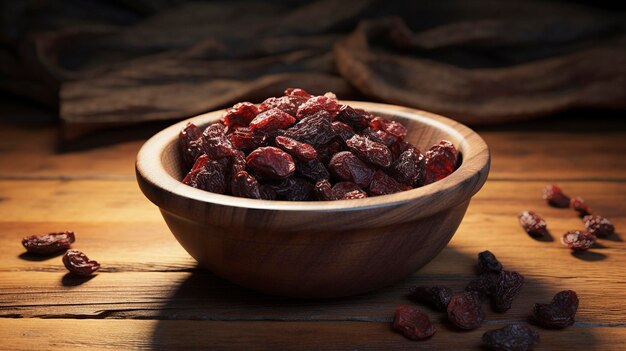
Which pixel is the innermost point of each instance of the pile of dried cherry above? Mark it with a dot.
(302, 147)
(464, 309)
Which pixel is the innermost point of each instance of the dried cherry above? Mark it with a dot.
(578, 240)
(215, 143)
(579, 205)
(323, 190)
(271, 162)
(505, 286)
(240, 115)
(598, 226)
(408, 167)
(294, 189)
(343, 131)
(355, 118)
(345, 166)
(313, 170)
(488, 263)
(533, 224)
(513, 337)
(316, 104)
(301, 151)
(297, 92)
(347, 191)
(270, 120)
(242, 138)
(315, 129)
(78, 263)
(50, 243)
(555, 196)
(439, 161)
(559, 313)
(392, 127)
(245, 185)
(382, 184)
(413, 323)
(288, 104)
(370, 151)
(436, 296)
(190, 143)
(464, 311)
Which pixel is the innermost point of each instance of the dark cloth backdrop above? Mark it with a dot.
(113, 62)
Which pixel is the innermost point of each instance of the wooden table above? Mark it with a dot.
(149, 293)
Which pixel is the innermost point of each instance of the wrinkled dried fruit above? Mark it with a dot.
(413, 323)
(316, 104)
(345, 166)
(439, 161)
(401, 146)
(323, 190)
(488, 263)
(294, 189)
(271, 162)
(288, 104)
(533, 224)
(598, 226)
(464, 311)
(326, 151)
(347, 191)
(480, 288)
(215, 143)
(578, 204)
(382, 184)
(48, 243)
(343, 131)
(355, 118)
(209, 175)
(559, 313)
(242, 138)
(578, 240)
(379, 136)
(240, 115)
(270, 120)
(297, 92)
(504, 288)
(301, 151)
(190, 143)
(315, 129)
(245, 185)
(313, 170)
(436, 296)
(370, 151)
(555, 196)
(513, 337)
(78, 263)
(408, 167)
(392, 127)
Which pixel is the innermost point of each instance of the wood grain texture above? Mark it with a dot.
(29, 334)
(150, 295)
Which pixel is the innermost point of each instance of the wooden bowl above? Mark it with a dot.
(318, 248)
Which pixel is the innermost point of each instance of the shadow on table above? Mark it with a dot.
(206, 297)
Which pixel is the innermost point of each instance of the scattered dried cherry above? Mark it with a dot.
(370, 151)
(270, 120)
(488, 263)
(480, 288)
(598, 226)
(505, 286)
(345, 166)
(382, 184)
(439, 161)
(190, 143)
(464, 311)
(413, 323)
(245, 185)
(578, 240)
(578, 204)
(513, 337)
(436, 296)
(533, 224)
(555, 196)
(78, 263)
(240, 115)
(271, 162)
(301, 151)
(50, 243)
(559, 313)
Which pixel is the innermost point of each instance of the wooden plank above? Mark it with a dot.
(69, 334)
(31, 152)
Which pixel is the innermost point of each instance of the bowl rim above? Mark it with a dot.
(149, 166)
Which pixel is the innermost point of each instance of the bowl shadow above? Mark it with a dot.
(205, 297)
